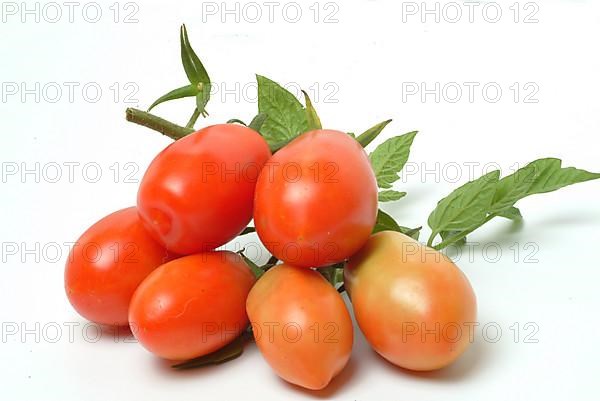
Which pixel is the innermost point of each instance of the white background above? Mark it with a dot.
(370, 54)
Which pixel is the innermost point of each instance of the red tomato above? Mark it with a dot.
(301, 325)
(316, 199)
(192, 306)
(414, 306)
(106, 265)
(197, 194)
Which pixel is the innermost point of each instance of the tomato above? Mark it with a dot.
(414, 306)
(301, 325)
(106, 265)
(316, 199)
(198, 193)
(192, 306)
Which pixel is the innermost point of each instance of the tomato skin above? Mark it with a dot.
(198, 193)
(300, 298)
(106, 265)
(399, 290)
(316, 199)
(192, 306)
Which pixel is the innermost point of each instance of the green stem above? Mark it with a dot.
(156, 123)
(431, 238)
(461, 234)
(193, 119)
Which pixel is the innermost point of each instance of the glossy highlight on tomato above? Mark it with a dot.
(192, 306)
(316, 199)
(414, 306)
(198, 193)
(106, 265)
(301, 325)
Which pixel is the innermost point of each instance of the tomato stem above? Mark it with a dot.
(156, 123)
(193, 119)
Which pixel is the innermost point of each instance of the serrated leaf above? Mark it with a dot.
(539, 176)
(389, 195)
(466, 206)
(367, 137)
(385, 222)
(286, 117)
(511, 213)
(184, 91)
(192, 65)
(389, 158)
(312, 118)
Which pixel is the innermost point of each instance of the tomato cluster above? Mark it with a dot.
(314, 204)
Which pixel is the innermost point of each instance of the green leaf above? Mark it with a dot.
(184, 91)
(253, 266)
(248, 230)
(389, 195)
(466, 206)
(257, 122)
(312, 118)
(385, 222)
(286, 117)
(539, 176)
(511, 213)
(367, 137)
(229, 352)
(449, 234)
(192, 65)
(389, 158)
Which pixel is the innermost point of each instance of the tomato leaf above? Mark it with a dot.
(257, 122)
(229, 352)
(446, 235)
(184, 91)
(312, 118)
(389, 195)
(389, 158)
(511, 213)
(367, 137)
(466, 206)
(258, 272)
(539, 176)
(286, 117)
(192, 65)
(385, 222)
(248, 230)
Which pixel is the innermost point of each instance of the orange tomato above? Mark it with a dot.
(415, 307)
(192, 306)
(301, 325)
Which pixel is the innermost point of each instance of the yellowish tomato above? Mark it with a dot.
(415, 307)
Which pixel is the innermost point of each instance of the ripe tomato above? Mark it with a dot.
(301, 325)
(316, 199)
(106, 265)
(192, 306)
(197, 194)
(414, 306)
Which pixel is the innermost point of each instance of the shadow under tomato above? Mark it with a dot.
(465, 366)
(337, 382)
